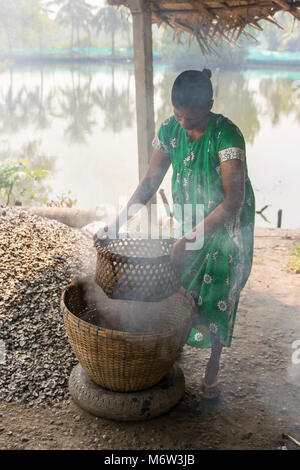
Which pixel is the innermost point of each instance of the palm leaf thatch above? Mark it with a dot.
(210, 21)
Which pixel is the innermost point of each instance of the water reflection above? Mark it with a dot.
(69, 109)
(279, 96)
(38, 106)
(77, 102)
(234, 99)
(13, 107)
(117, 105)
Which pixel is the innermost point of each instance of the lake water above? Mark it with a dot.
(84, 120)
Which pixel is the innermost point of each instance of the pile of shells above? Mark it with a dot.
(38, 258)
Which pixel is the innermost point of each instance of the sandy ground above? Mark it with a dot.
(260, 385)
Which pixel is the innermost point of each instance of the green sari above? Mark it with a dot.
(216, 273)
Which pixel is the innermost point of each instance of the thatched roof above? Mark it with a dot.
(210, 21)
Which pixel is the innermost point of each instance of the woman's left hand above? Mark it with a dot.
(178, 252)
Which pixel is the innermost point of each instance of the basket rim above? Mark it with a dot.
(117, 334)
(132, 259)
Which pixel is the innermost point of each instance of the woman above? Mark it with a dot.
(207, 154)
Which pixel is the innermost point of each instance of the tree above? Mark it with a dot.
(23, 22)
(10, 19)
(77, 14)
(38, 23)
(126, 25)
(111, 21)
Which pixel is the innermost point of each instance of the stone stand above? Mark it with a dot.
(127, 406)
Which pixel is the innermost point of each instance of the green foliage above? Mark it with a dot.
(74, 13)
(109, 20)
(294, 260)
(43, 30)
(14, 172)
(24, 23)
(62, 200)
(23, 178)
(62, 24)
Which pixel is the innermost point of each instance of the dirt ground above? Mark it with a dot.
(260, 385)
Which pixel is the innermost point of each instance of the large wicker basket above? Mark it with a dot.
(136, 269)
(126, 360)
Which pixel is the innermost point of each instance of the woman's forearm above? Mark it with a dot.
(158, 167)
(233, 178)
(143, 193)
(216, 219)
(193, 240)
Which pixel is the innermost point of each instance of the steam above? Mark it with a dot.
(293, 374)
(122, 315)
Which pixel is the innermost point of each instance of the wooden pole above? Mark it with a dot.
(279, 218)
(143, 66)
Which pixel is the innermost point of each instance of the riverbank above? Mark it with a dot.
(255, 57)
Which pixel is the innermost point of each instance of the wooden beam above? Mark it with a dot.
(201, 9)
(143, 64)
(283, 4)
(288, 7)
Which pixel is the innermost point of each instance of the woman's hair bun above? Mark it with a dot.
(207, 73)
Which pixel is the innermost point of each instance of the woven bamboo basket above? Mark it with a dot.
(126, 361)
(136, 269)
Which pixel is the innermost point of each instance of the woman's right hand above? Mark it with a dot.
(101, 233)
(104, 232)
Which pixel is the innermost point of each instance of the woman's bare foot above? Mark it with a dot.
(209, 387)
(209, 392)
